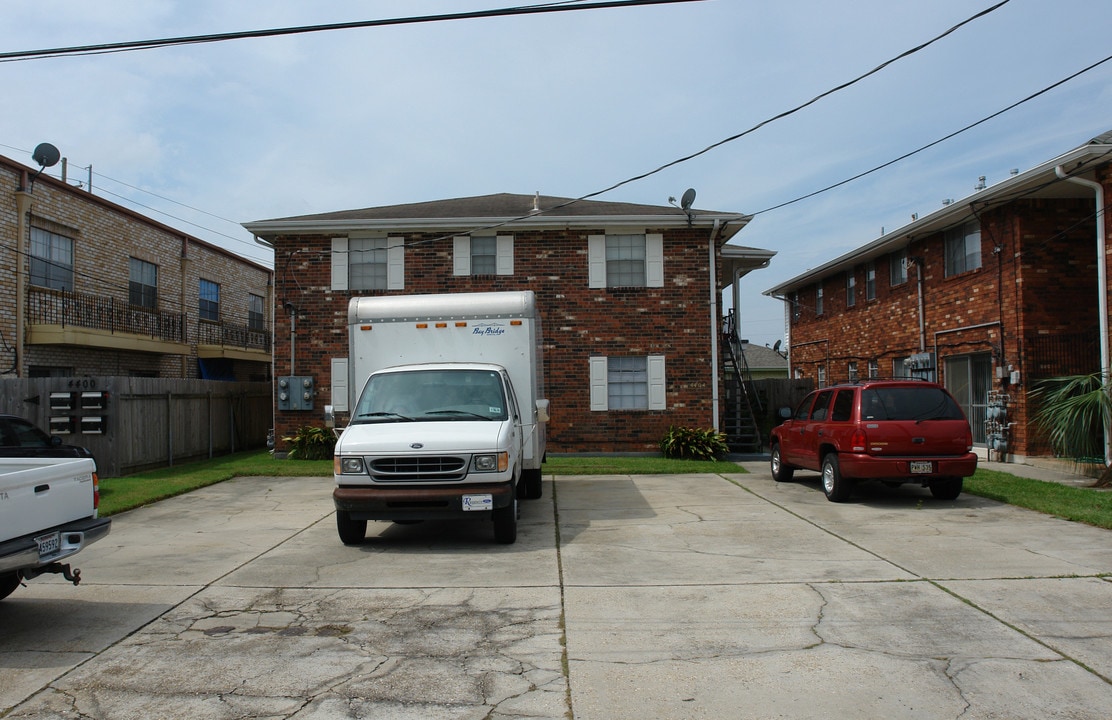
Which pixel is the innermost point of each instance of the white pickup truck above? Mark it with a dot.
(48, 512)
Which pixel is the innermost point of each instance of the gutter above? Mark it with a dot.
(1102, 294)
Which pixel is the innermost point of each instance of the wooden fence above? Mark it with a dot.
(133, 424)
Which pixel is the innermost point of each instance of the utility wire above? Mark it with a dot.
(103, 48)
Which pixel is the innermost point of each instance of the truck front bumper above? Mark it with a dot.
(24, 552)
(417, 503)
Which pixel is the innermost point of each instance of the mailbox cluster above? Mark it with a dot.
(83, 411)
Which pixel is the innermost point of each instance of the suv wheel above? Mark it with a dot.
(946, 488)
(780, 471)
(836, 487)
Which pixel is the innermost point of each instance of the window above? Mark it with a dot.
(627, 383)
(851, 370)
(822, 376)
(51, 260)
(874, 368)
(142, 283)
(897, 267)
(208, 305)
(818, 300)
(963, 248)
(843, 406)
(368, 263)
(870, 281)
(487, 255)
(256, 319)
(851, 289)
(822, 405)
(616, 261)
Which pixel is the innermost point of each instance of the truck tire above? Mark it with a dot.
(946, 488)
(534, 483)
(780, 471)
(836, 487)
(352, 532)
(505, 522)
(9, 581)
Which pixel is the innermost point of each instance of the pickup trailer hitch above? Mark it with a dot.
(74, 576)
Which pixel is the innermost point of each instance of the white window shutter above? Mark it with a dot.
(461, 255)
(505, 258)
(599, 394)
(395, 263)
(340, 263)
(596, 261)
(657, 398)
(340, 384)
(654, 260)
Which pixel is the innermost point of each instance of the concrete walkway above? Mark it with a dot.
(684, 596)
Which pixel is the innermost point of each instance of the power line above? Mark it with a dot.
(127, 46)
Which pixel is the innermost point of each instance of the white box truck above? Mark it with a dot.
(447, 414)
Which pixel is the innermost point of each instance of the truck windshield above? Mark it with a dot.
(432, 395)
(908, 403)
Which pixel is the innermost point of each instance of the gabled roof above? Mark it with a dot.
(759, 357)
(1039, 182)
(497, 211)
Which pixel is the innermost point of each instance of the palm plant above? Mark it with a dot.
(1073, 411)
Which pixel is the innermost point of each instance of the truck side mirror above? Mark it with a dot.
(329, 416)
(542, 410)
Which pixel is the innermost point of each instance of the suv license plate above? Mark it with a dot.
(48, 544)
(920, 467)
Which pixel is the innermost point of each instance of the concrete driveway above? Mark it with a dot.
(625, 597)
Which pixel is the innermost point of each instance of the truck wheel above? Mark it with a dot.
(352, 532)
(836, 487)
(780, 471)
(8, 583)
(946, 488)
(534, 483)
(505, 522)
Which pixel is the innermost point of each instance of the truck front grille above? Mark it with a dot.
(425, 468)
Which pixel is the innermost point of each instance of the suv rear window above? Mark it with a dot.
(908, 403)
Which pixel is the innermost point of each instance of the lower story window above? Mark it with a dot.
(627, 383)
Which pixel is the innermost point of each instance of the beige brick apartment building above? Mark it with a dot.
(630, 295)
(989, 295)
(95, 289)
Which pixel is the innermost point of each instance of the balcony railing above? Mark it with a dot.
(97, 312)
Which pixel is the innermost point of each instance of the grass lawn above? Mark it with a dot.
(1085, 505)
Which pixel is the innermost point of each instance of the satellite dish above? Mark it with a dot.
(687, 199)
(46, 155)
(776, 346)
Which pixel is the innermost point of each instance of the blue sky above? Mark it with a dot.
(204, 137)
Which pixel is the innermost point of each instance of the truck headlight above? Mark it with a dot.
(351, 465)
(492, 462)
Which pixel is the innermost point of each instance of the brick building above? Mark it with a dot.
(96, 289)
(987, 295)
(629, 297)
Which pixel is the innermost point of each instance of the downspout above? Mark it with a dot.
(715, 326)
(23, 209)
(922, 318)
(1102, 294)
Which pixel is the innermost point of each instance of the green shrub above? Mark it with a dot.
(311, 443)
(693, 444)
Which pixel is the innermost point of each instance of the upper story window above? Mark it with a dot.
(256, 317)
(626, 260)
(818, 300)
(897, 267)
(368, 263)
(483, 255)
(874, 368)
(142, 283)
(51, 260)
(208, 305)
(963, 248)
(851, 289)
(870, 281)
(851, 370)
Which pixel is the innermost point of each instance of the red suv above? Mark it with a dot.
(896, 431)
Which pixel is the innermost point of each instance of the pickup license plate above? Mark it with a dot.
(921, 467)
(478, 502)
(48, 544)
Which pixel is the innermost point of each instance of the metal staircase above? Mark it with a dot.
(741, 402)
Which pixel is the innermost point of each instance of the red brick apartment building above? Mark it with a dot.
(95, 289)
(988, 295)
(636, 286)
